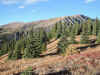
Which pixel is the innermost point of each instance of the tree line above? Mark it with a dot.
(33, 42)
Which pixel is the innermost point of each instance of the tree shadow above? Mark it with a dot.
(62, 72)
(26, 73)
(93, 45)
(49, 54)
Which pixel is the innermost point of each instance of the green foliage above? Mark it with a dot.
(94, 28)
(34, 41)
(53, 32)
(98, 38)
(11, 49)
(84, 36)
(2, 52)
(97, 26)
(73, 33)
(43, 47)
(33, 48)
(4, 49)
(72, 39)
(89, 25)
(62, 45)
(76, 28)
(59, 29)
(43, 39)
(17, 51)
(28, 71)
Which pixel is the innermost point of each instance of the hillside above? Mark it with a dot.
(53, 64)
(9, 30)
(67, 45)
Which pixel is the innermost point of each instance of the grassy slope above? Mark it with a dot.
(88, 59)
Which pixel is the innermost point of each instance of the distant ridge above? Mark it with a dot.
(14, 27)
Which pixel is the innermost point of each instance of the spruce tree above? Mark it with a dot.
(97, 26)
(72, 38)
(34, 47)
(59, 30)
(98, 38)
(43, 38)
(11, 49)
(27, 53)
(89, 26)
(62, 45)
(53, 32)
(94, 28)
(84, 39)
(17, 52)
(76, 28)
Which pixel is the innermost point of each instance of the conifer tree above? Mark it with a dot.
(89, 25)
(27, 53)
(4, 48)
(59, 29)
(76, 28)
(49, 35)
(84, 36)
(62, 45)
(72, 38)
(11, 49)
(34, 47)
(53, 32)
(98, 38)
(94, 28)
(43, 38)
(17, 52)
(97, 26)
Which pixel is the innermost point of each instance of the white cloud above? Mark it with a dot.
(9, 1)
(21, 1)
(33, 1)
(21, 7)
(88, 1)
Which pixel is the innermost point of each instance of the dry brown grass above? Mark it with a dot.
(90, 57)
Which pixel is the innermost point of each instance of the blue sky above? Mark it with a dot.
(32, 10)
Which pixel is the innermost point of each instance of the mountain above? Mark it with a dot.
(9, 29)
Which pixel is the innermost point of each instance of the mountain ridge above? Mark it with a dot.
(12, 28)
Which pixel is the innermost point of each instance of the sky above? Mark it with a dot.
(33, 10)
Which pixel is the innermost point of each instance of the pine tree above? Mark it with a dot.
(97, 26)
(84, 36)
(17, 52)
(94, 28)
(4, 48)
(59, 30)
(49, 35)
(72, 38)
(11, 49)
(98, 38)
(34, 47)
(53, 32)
(62, 45)
(10, 53)
(27, 53)
(43, 38)
(76, 28)
(89, 25)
